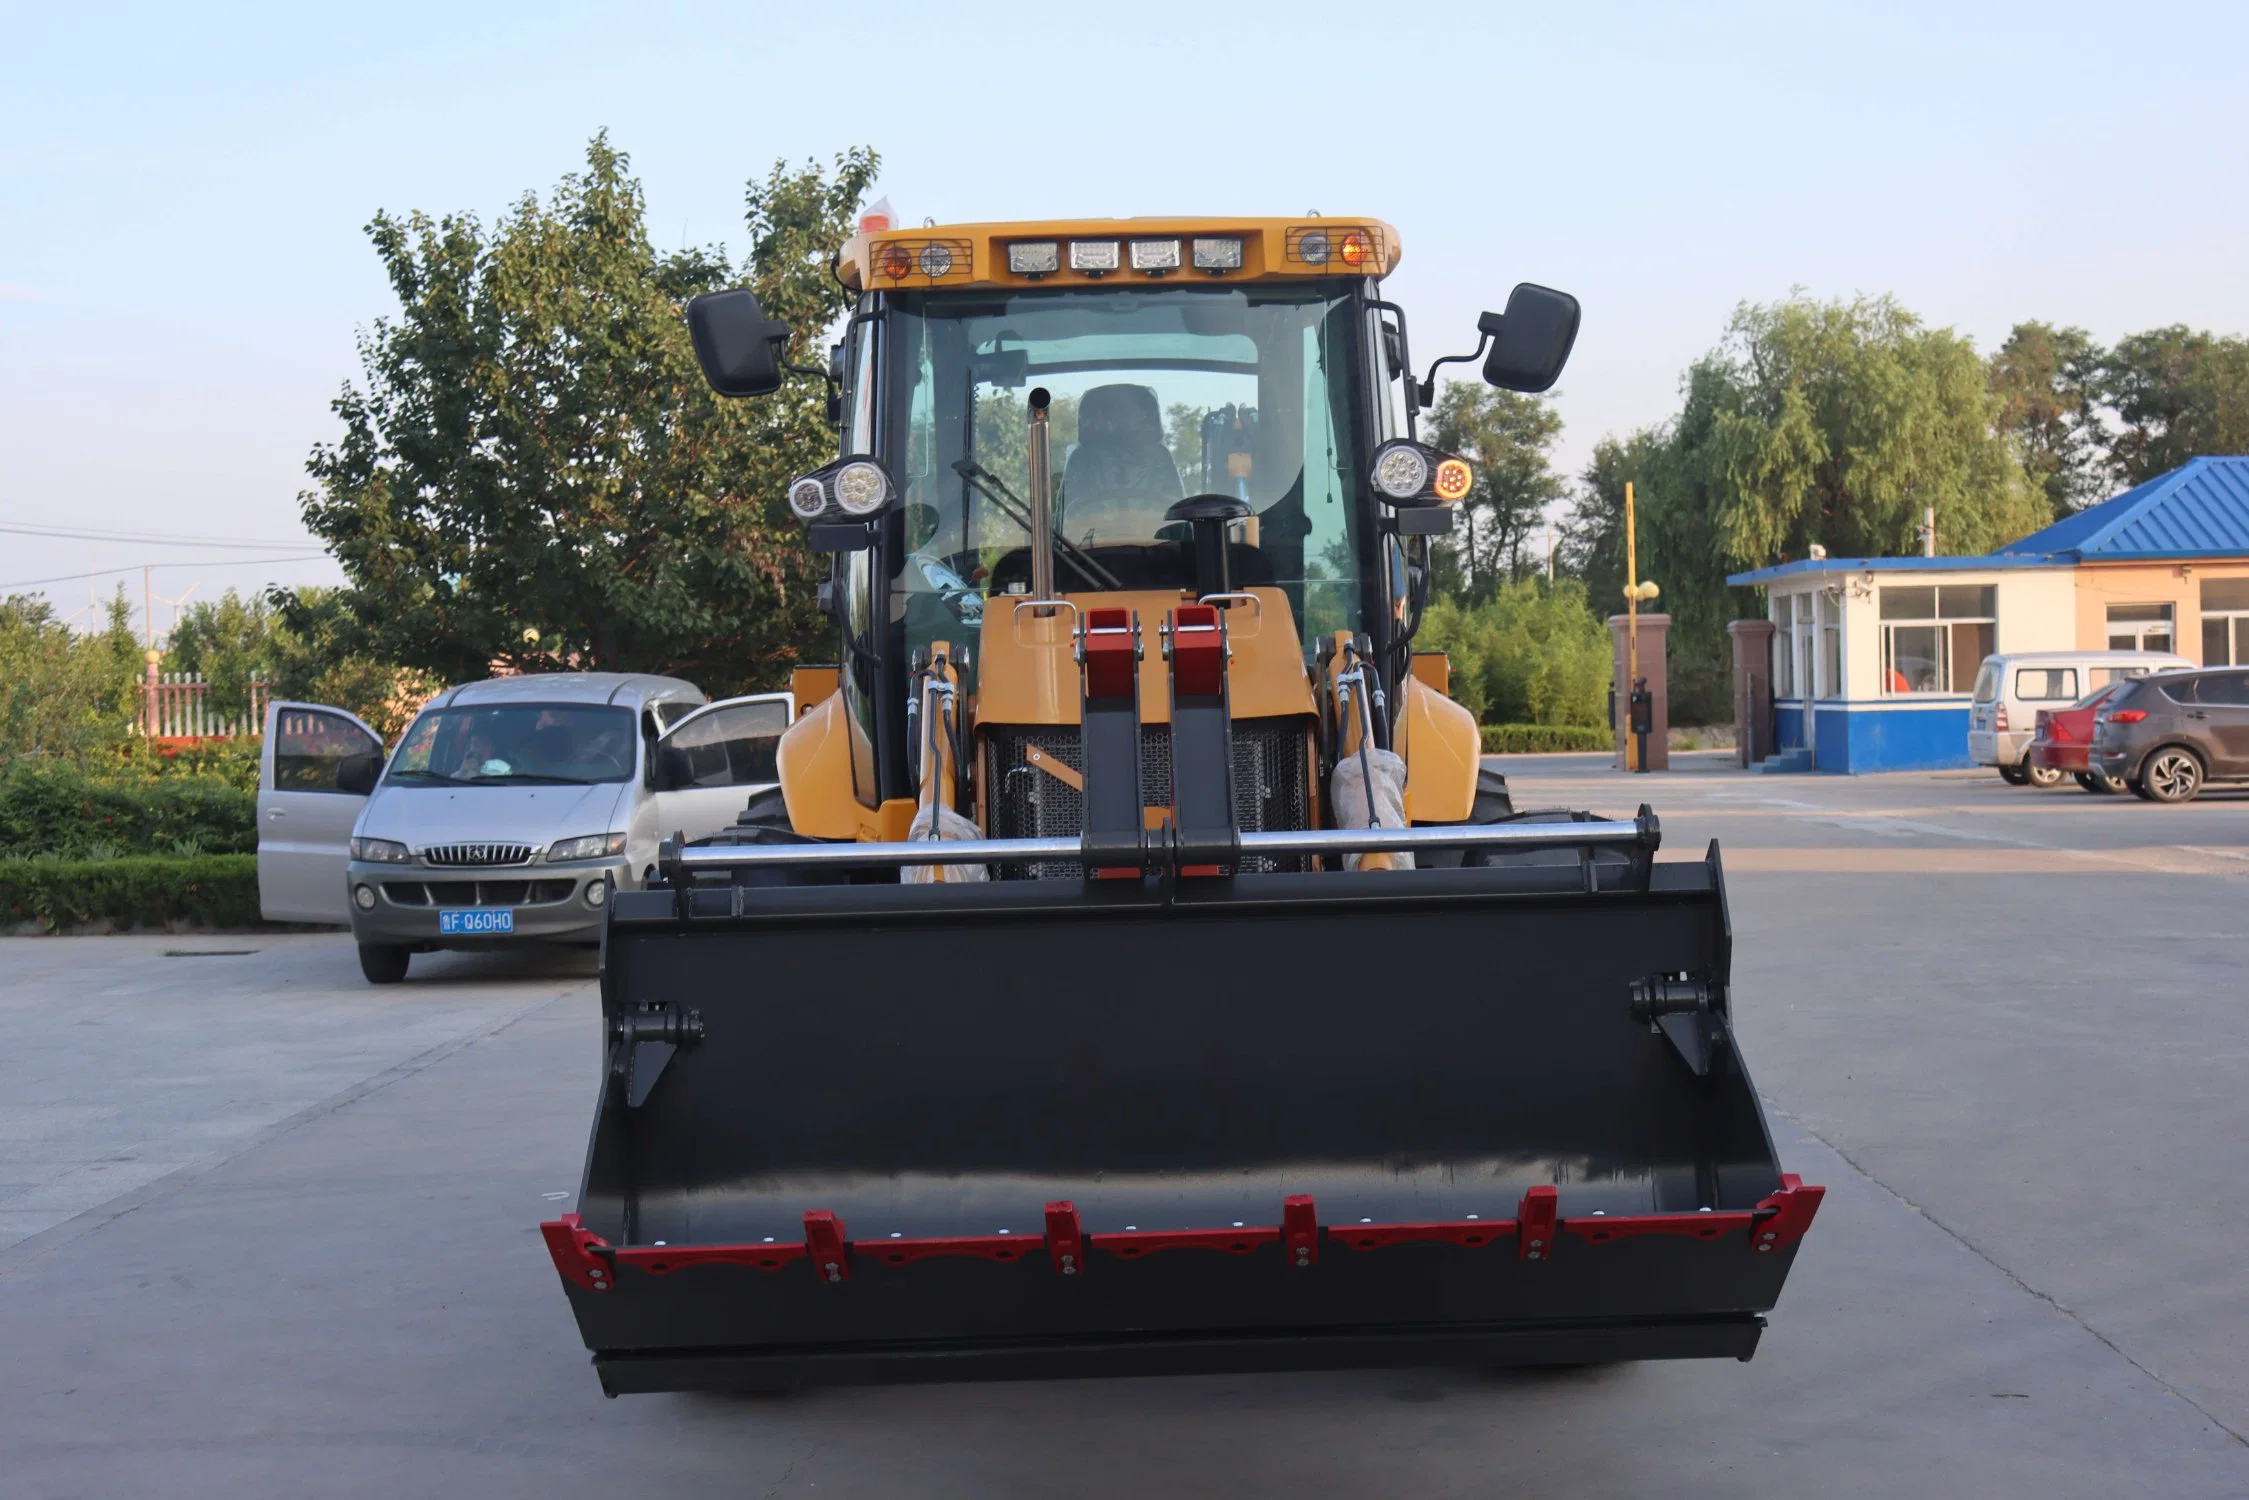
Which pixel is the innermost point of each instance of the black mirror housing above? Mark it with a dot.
(1531, 341)
(357, 774)
(738, 347)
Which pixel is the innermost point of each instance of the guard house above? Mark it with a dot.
(1874, 658)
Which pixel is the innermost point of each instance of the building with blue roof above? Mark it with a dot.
(1874, 659)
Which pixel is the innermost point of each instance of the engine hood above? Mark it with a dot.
(418, 816)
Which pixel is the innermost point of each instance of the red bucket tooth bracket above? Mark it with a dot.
(823, 1241)
(574, 1248)
(1300, 1230)
(1535, 1222)
(1065, 1237)
(1780, 1220)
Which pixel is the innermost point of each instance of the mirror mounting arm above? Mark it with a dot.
(1405, 359)
(1426, 392)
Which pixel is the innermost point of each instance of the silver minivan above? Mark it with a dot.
(508, 810)
(2012, 688)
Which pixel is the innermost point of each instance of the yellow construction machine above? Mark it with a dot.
(1137, 969)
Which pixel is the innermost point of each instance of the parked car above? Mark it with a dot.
(508, 811)
(2012, 687)
(2169, 736)
(2063, 741)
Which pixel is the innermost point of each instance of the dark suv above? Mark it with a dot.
(2171, 734)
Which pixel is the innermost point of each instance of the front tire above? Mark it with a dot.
(384, 963)
(2042, 777)
(2015, 775)
(2172, 775)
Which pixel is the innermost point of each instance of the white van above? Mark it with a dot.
(2012, 688)
(507, 811)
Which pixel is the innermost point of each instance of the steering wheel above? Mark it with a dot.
(959, 594)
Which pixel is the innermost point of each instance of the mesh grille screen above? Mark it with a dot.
(1272, 785)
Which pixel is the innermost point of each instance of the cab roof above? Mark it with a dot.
(976, 255)
(629, 689)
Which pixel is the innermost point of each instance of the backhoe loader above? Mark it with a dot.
(1137, 970)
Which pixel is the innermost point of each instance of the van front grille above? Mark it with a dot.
(478, 892)
(471, 856)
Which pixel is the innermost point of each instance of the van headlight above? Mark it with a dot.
(379, 851)
(585, 846)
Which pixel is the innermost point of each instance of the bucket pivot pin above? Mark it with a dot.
(643, 1041)
(1691, 1011)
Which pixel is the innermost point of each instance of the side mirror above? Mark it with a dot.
(357, 774)
(1531, 340)
(738, 347)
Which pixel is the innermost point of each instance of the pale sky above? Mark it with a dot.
(183, 189)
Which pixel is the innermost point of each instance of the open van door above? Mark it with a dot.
(305, 813)
(709, 763)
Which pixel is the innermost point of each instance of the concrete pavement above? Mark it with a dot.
(2017, 1083)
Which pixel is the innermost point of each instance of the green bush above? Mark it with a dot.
(233, 761)
(1533, 653)
(53, 809)
(212, 890)
(1543, 739)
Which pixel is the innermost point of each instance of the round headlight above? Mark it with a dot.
(1313, 248)
(1400, 472)
(936, 260)
(808, 497)
(861, 488)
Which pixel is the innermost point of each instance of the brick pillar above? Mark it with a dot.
(1753, 690)
(1654, 629)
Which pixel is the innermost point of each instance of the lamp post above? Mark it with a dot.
(1639, 707)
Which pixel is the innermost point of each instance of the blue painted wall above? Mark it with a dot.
(1862, 738)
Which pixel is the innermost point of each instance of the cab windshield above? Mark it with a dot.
(1156, 395)
(516, 744)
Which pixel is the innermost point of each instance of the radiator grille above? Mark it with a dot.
(1272, 785)
(473, 856)
(478, 892)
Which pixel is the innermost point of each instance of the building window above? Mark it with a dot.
(1784, 645)
(2139, 627)
(2225, 622)
(1935, 636)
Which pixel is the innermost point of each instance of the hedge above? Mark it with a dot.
(209, 890)
(1543, 739)
(52, 809)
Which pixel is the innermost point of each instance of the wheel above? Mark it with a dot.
(384, 963)
(2106, 786)
(2138, 788)
(2172, 774)
(2014, 775)
(2042, 777)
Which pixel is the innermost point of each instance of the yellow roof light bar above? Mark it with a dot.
(1084, 252)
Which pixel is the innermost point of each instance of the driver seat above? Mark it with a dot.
(1121, 466)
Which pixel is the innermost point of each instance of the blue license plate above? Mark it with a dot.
(460, 921)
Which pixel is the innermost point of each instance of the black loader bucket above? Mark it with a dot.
(1486, 1115)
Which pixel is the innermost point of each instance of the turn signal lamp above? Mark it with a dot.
(1034, 257)
(1155, 256)
(1094, 257)
(896, 262)
(808, 497)
(1353, 250)
(1454, 480)
(1407, 473)
(1216, 255)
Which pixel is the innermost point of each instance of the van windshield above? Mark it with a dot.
(516, 744)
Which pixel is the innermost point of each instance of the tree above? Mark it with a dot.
(1510, 436)
(2047, 382)
(1527, 654)
(534, 472)
(65, 696)
(2177, 393)
(230, 640)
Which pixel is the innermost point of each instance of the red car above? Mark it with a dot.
(2065, 735)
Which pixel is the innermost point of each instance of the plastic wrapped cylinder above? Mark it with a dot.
(1355, 805)
(949, 825)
